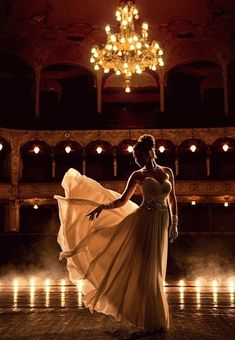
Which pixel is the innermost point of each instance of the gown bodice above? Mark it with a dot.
(155, 193)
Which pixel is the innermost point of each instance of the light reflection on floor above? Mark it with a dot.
(47, 294)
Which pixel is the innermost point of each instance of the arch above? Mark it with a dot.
(192, 164)
(125, 160)
(99, 166)
(70, 159)
(166, 157)
(36, 167)
(222, 162)
(16, 90)
(189, 90)
(67, 89)
(5, 161)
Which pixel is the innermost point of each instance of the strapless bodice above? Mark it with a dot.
(155, 193)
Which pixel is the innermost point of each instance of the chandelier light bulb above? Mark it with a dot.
(226, 204)
(36, 150)
(127, 48)
(193, 202)
(130, 148)
(107, 29)
(68, 149)
(1, 146)
(128, 89)
(193, 148)
(225, 147)
(145, 26)
(35, 206)
(99, 149)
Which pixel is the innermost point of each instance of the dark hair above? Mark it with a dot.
(145, 143)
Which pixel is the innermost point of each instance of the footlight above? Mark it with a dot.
(181, 288)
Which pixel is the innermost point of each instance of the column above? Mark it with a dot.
(162, 92)
(12, 216)
(208, 166)
(53, 165)
(84, 162)
(114, 162)
(16, 162)
(99, 92)
(37, 90)
(176, 163)
(225, 82)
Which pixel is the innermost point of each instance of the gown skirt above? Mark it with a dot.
(121, 255)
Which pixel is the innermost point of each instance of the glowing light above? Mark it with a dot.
(47, 283)
(99, 149)
(193, 202)
(1, 146)
(35, 206)
(36, 149)
(68, 149)
(62, 286)
(225, 147)
(162, 148)
(193, 147)
(79, 289)
(15, 295)
(226, 204)
(130, 148)
(128, 89)
(115, 53)
(181, 283)
(214, 283)
(32, 292)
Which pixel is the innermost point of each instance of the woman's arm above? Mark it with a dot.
(173, 231)
(119, 202)
(172, 196)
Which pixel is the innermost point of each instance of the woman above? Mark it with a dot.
(122, 255)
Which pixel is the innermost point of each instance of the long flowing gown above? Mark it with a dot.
(122, 254)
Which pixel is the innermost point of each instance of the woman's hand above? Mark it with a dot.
(173, 233)
(96, 212)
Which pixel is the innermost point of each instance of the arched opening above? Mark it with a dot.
(68, 154)
(125, 160)
(5, 160)
(231, 73)
(134, 109)
(192, 154)
(99, 160)
(194, 93)
(67, 97)
(16, 87)
(165, 152)
(223, 158)
(36, 161)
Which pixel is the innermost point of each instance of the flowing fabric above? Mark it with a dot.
(122, 254)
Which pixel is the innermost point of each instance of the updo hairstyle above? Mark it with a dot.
(145, 144)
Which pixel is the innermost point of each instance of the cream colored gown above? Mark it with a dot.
(122, 254)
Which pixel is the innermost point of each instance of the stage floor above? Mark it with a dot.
(56, 312)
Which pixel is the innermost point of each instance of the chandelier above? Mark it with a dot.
(127, 52)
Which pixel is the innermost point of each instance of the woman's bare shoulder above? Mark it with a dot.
(137, 175)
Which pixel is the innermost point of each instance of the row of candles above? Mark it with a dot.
(99, 149)
(198, 283)
(181, 285)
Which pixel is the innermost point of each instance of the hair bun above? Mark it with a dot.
(147, 140)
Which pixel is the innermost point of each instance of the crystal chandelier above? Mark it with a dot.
(127, 52)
